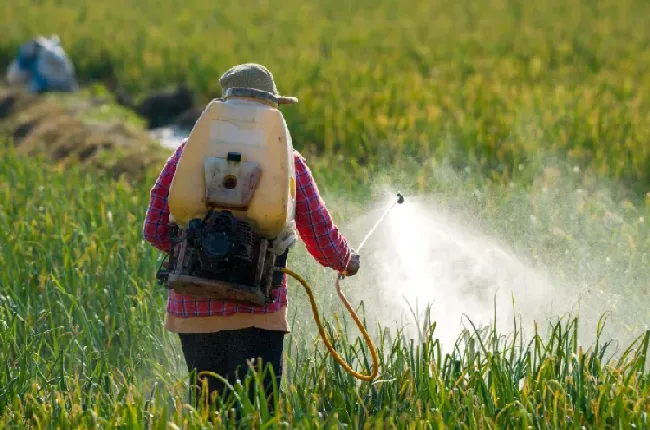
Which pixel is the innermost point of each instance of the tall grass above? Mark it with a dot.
(83, 346)
(432, 95)
(486, 84)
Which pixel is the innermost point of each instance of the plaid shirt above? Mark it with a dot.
(313, 222)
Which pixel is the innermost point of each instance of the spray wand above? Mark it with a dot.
(400, 200)
(348, 306)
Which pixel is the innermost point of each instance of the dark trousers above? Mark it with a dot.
(227, 353)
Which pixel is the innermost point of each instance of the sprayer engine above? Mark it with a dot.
(220, 257)
(224, 248)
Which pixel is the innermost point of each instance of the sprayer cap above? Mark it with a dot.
(234, 156)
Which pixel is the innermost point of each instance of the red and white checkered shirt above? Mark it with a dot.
(313, 222)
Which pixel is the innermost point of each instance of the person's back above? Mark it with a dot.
(219, 335)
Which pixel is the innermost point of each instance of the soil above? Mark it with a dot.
(64, 133)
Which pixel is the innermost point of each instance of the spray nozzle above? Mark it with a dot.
(400, 198)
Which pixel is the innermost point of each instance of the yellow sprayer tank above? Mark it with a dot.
(238, 157)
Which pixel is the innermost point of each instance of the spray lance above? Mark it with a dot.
(400, 200)
(348, 306)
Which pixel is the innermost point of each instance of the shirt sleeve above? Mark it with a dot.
(314, 222)
(156, 223)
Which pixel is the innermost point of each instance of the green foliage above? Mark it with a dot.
(489, 85)
(430, 95)
(83, 345)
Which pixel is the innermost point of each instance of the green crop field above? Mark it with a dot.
(83, 345)
(526, 122)
(491, 84)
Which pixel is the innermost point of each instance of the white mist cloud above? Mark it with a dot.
(422, 256)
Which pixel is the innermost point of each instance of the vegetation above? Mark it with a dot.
(83, 344)
(489, 85)
(531, 118)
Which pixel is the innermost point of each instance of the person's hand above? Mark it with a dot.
(353, 265)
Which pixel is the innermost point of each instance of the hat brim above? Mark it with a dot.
(258, 94)
(283, 100)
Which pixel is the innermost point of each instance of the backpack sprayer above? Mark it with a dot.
(232, 203)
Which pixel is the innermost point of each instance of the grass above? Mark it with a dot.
(529, 119)
(486, 84)
(83, 344)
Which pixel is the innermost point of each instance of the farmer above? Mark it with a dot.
(219, 336)
(43, 66)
